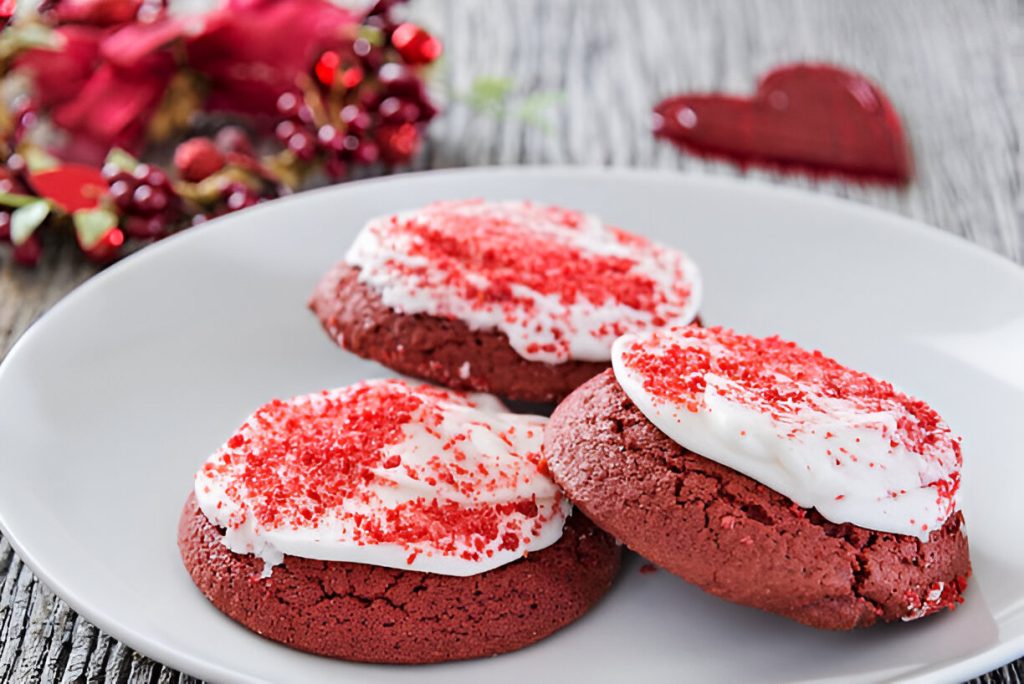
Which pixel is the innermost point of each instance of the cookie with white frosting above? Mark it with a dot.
(512, 298)
(391, 522)
(768, 475)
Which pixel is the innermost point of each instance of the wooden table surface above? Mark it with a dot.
(954, 70)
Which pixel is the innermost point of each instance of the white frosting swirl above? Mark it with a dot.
(826, 436)
(559, 284)
(385, 473)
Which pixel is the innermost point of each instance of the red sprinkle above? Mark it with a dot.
(778, 378)
(486, 255)
(935, 597)
(294, 463)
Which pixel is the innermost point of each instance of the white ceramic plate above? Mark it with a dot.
(110, 402)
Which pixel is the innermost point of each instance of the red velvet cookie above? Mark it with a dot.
(730, 534)
(391, 522)
(374, 614)
(516, 299)
(442, 350)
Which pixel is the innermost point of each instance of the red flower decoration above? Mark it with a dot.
(341, 87)
(60, 74)
(105, 84)
(114, 105)
(100, 102)
(248, 65)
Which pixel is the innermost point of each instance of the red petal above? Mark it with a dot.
(59, 75)
(72, 186)
(114, 105)
(97, 12)
(254, 49)
(131, 43)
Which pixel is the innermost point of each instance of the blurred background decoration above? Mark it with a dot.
(809, 117)
(122, 122)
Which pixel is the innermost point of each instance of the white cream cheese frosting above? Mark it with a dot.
(560, 284)
(387, 473)
(826, 436)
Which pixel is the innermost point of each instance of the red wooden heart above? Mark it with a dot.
(811, 116)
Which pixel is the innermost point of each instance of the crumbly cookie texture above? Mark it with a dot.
(560, 284)
(383, 615)
(442, 350)
(734, 537)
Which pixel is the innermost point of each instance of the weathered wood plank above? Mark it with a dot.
(953, 69)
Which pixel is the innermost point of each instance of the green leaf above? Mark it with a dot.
(371, 34)
(38, 160)
(10, 199)
(121, 159)
(19, 37)
(25, 220)
(92, 224)
(210, 189)
(489, 93)
(535, 107)
(495, 95)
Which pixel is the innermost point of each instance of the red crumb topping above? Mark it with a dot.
(937, 596)
(503, 255)
(297, 463)
(779, 378)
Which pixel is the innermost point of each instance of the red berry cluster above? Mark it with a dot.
(228, 163)
(12, 182)
(363, 102)
(145, 200)
(21, 116)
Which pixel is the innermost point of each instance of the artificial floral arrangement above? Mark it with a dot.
(93, 90)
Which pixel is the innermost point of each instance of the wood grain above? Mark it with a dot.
(954, 70)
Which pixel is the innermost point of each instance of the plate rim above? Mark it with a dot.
(169, 655)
